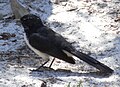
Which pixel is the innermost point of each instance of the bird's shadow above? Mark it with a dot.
(49, 72)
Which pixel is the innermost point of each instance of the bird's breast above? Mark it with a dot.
(41, 54)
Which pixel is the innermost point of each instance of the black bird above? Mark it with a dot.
(45, 42)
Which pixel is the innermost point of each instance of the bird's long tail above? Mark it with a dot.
(86, 58)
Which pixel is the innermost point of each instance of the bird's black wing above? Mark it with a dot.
(46, 45)
(54, 37)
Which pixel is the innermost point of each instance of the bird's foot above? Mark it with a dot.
(42, 67)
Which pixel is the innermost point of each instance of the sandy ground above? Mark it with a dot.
(92, 26)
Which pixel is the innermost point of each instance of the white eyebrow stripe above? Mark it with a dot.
(24, 19)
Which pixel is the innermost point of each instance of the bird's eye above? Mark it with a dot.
(24, 19)
(30, 18)
(38, 18)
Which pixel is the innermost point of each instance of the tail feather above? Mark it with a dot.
(92, 61)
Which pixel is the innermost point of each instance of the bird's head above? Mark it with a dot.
(31, 22)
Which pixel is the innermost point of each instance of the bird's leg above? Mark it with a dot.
(52, 62)
(42, 65)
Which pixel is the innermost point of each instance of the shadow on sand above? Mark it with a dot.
(45, 72)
